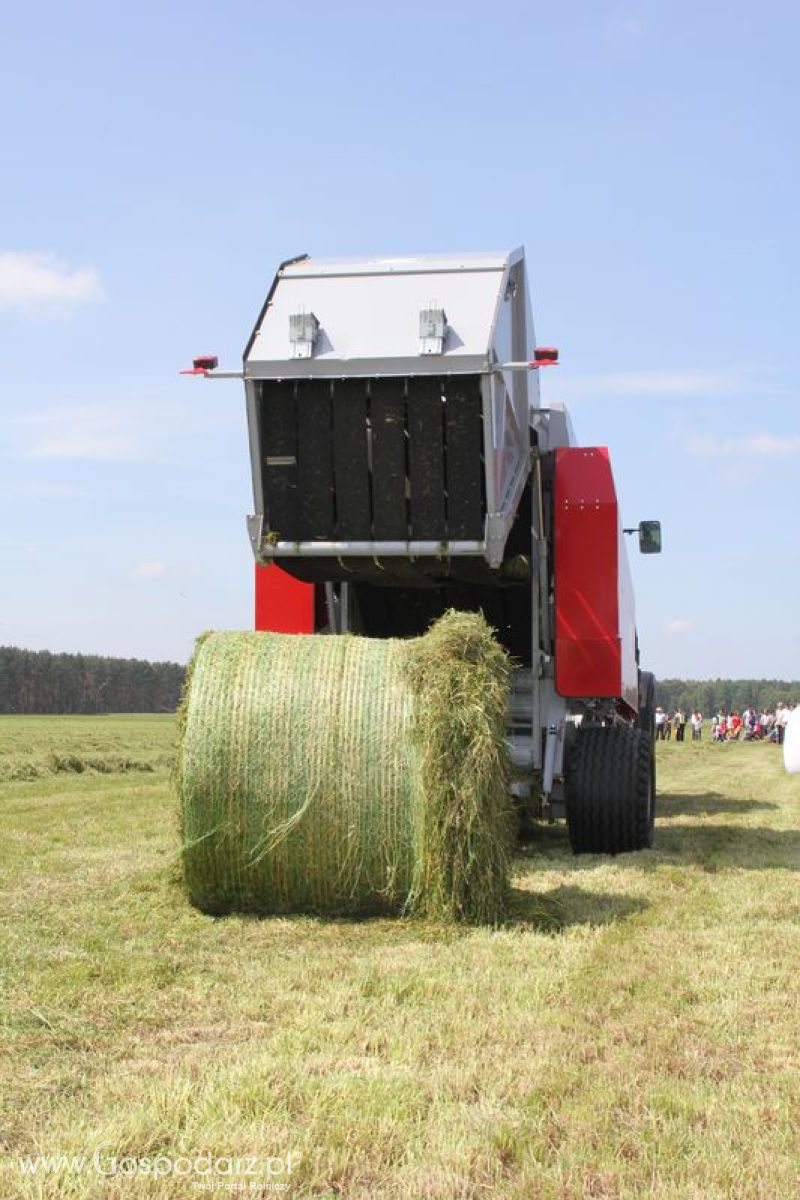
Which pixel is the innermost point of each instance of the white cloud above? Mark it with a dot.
(673, 382)
(41, 281)
(750, 445)
(679, 625)
(88, 443)
(42, 489)
(739, 473)
(138, 431)
(150, 570)
(628, 21)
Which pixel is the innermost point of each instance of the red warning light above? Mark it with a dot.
(202, 365)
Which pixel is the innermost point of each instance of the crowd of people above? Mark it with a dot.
(749, 726)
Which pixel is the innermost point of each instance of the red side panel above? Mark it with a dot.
(283, 603)
(593, 626)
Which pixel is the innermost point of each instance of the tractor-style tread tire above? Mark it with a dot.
(647, 702)
(610, 790)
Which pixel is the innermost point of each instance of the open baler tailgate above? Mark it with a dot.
(382, 425)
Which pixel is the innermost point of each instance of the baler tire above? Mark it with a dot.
(646, 789)
(647, 702)
(609, 790)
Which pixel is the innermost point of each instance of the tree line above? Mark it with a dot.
(36, 681)
(725, 695)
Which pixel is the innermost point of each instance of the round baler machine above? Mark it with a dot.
(403, 467)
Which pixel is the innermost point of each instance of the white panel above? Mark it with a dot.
(400, 265)
(377, 316)
(791, 743)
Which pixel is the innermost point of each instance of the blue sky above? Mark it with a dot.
(159, 160)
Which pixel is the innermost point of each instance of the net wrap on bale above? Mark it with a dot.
(347, 774)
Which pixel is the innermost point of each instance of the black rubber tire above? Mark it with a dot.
(610, 790)
(646, 777)
(647, 702)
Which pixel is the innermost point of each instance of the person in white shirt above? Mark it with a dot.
(781, 720)
(697, 725)
(661, 723)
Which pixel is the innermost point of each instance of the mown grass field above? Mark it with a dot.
(633, 1031)
(33, 747)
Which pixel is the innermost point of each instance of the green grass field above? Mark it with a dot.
(633, 1031)
(32, 747)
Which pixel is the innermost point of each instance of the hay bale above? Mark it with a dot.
(347, 774)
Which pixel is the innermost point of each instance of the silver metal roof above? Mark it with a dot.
(339, 317)
(404, 264)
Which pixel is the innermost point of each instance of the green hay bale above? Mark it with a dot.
(346, 774)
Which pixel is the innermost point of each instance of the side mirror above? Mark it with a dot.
(650, 537)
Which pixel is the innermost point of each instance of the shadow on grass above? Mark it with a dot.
(717, 846)
(707, 804)
(712, 847)
(566, 906)
(558, 909)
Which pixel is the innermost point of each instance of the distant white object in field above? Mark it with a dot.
(791, 743)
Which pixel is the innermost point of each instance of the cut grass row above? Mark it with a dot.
(630, 1032)
(35, 747)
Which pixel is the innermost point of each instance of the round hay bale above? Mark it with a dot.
(347, 774)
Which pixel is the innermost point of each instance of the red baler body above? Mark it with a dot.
(283, 604)
(595, 631)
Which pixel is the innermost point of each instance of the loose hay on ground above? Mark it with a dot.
(347, 774)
